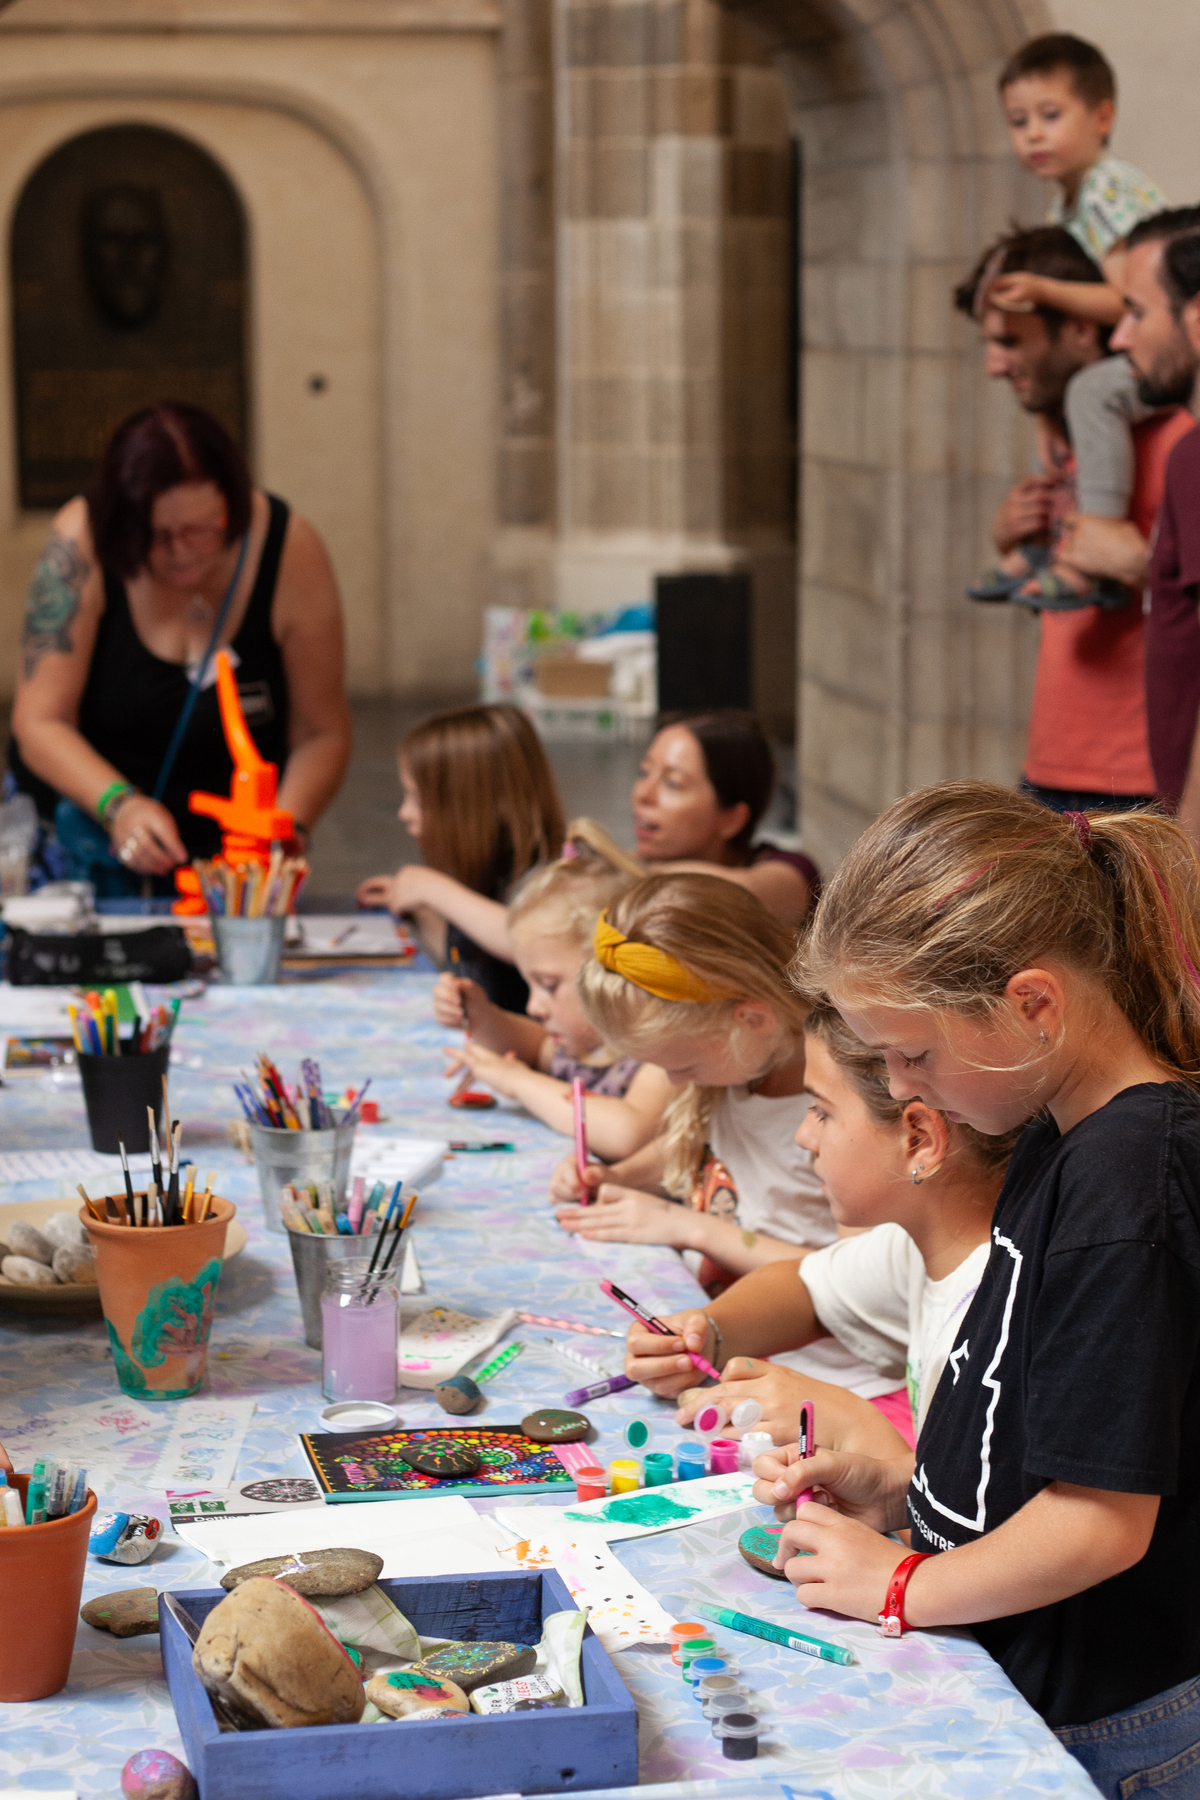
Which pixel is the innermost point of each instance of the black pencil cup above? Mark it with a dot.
(116, 1091)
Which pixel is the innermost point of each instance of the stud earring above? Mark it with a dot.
(1043, 1037)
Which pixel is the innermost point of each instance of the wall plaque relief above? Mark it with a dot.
(128, 286)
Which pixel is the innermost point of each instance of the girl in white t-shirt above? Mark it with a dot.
(689, 973)
(894, 1293)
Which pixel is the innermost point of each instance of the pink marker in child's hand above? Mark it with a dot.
(581, 1149)
(648, 1319)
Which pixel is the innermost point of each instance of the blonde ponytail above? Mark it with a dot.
(565, 898)
(956, 888)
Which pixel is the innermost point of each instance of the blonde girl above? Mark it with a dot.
(690, 973)
(534, 1059)
(481, 801)
(1009, 962)
(920, 1193)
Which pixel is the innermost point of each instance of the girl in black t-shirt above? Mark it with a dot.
(1011, 964)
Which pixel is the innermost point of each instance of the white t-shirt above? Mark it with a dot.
(775, 1191)
(873, 1294)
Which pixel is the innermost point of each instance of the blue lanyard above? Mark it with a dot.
(193, 693)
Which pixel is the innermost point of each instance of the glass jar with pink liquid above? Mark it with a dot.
(360, 1316)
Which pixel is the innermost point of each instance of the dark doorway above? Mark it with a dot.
(128, 280)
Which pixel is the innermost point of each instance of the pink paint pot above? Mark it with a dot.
(723, 1456)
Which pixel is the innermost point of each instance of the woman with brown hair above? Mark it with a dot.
(481, 800)
(171, 555)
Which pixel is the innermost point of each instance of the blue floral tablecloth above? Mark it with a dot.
(930, 1715)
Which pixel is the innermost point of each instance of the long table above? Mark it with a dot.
(930, 1714)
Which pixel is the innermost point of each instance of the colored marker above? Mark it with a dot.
(500, 1362)
(807, 1441)
(460, 1146)
(777, 1634)
(655, 1325)
(581, 1150)
(613, 1384)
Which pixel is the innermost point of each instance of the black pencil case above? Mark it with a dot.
(97, 959)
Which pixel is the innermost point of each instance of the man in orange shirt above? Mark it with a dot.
(1087, 742)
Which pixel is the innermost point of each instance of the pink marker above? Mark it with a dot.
(655, 1325)
(807, 1441)
(354, 1210)
(581, 1149)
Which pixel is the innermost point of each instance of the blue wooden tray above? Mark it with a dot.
(558, 1751)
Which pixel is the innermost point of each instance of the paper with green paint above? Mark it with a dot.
(645, 1512)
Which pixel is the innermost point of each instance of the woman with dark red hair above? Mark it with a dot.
(171, 555)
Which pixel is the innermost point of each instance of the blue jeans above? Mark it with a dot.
(1152, 1748)
(1062, 800)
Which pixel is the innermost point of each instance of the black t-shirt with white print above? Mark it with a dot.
(1079, 1361)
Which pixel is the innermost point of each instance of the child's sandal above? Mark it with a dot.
(1055, 594)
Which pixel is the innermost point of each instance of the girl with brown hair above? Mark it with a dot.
(1009, 963)
(481, 800)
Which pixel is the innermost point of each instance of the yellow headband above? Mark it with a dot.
(654, 971)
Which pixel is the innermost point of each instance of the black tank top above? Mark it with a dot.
(133, 700)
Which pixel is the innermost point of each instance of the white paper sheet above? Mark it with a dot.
(348, 934)
(114, 1440)
(413, 1161)
(42, 1009)
(441, 1535)
(203, 1448)
(64, 1165)
(621, 1612)
(662, 1508)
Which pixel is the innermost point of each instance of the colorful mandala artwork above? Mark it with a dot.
(283, 1491)
(378, 1464)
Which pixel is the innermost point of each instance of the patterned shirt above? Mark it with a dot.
(1113, 197)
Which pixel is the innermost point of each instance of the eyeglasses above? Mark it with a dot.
(188, 537)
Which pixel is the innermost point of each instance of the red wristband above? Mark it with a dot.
(891, 1619)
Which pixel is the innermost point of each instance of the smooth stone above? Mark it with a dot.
(473, 1100)
(157, 1775)
(327, 1574)
(439, 1462)
(23, 1271)
(265, 1651)
(75, 1263)
(472, 1665)
(404, 1694)
(25, 1239)
(68, 1232)
(128, 1613)
(554, 1425)
(527, 1693)
(458, 1395)
(758, 1545)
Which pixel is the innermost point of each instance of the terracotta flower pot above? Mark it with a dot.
(158, 1288)
(41, 1579)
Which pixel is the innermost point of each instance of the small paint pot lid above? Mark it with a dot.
(737, 1725)
(703, 1666)
(746, 1414)
(638, 1432)
(359, 1415)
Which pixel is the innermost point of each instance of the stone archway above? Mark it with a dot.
(907, 173)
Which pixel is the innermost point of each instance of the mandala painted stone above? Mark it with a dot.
(757, 1545)
(448, 1459)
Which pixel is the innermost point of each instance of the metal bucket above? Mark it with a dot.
(299, 1157)
(249, 950)
(311, 1257)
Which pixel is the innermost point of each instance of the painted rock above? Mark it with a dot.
(404, 1694)
(157, 1775)
(528, 1693)
(267, 1652)
(124, 1537)
(25, 1239)
(127, 1613)
(473, 1100)
(473, 1665)
(26, 1272)
(448, 1461)
(458, 1395)
(758, 1545)
(324, 1573)
(550, 1425)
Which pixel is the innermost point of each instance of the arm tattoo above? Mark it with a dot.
(53, 602)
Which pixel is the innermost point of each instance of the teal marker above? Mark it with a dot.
(776, 1634)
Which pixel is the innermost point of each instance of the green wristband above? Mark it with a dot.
(111, 798)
